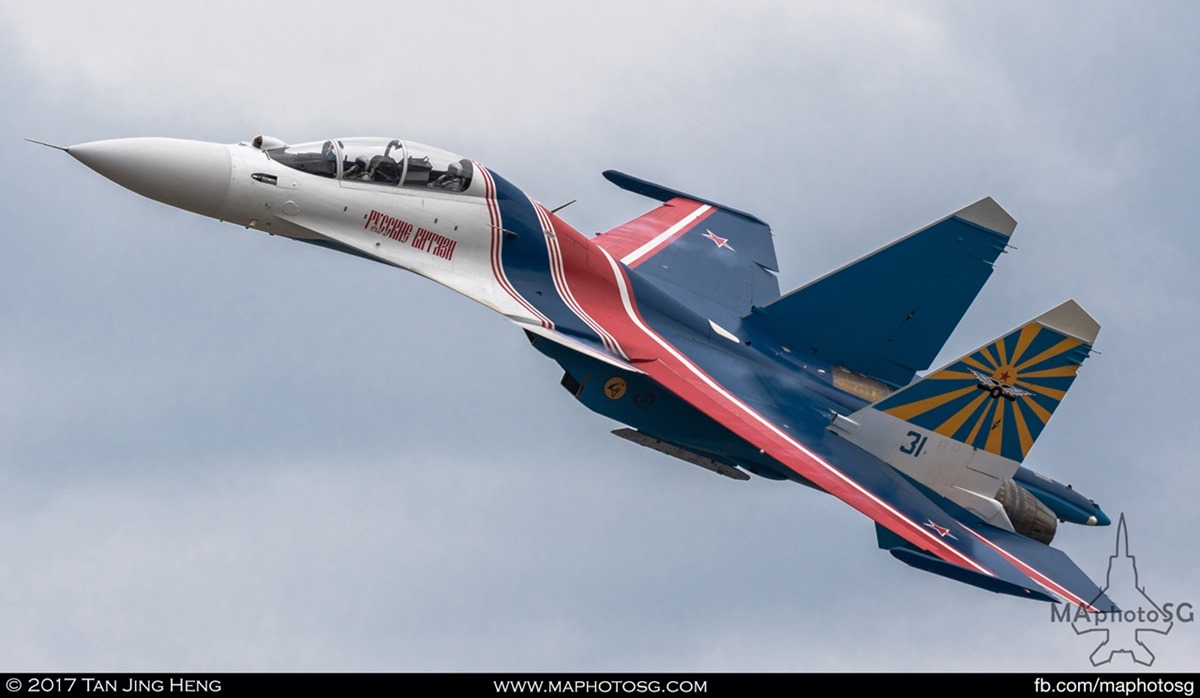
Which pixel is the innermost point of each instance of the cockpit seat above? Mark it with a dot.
(384, 168)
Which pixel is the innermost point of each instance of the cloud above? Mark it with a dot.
(221, 450)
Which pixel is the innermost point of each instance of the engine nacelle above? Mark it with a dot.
(1028, 515)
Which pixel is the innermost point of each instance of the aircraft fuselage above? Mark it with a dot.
(673, 324)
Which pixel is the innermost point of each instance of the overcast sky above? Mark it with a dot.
(225, 451)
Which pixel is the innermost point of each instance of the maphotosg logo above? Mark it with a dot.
(1128, 629)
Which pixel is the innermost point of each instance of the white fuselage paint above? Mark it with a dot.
(308, 207)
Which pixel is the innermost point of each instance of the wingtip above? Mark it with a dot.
(988, 214)
(1071, 319)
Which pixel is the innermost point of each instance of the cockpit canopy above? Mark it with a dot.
(383, 161)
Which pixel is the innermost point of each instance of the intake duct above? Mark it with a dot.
(1028, 515)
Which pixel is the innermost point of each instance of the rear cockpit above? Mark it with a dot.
(380, 161)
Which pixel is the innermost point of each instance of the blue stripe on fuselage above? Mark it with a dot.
(526, 260)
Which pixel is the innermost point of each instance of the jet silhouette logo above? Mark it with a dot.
(1127, 630)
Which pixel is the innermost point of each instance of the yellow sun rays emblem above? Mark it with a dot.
(999, 397)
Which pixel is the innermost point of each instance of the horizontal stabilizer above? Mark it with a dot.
(929, 563)
(888, 314)
(1040, 572)
(717, 260)
(1049, 567)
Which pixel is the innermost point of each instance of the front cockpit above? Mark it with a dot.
(379, 161)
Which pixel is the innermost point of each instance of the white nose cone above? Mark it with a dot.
(192, 175)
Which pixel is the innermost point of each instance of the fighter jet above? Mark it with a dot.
(673, 324)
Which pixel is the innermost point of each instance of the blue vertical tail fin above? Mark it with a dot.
(888, 314)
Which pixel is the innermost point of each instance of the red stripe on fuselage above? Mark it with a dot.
(558, 272)
(586, 273)
(497, 241)
(603, 289)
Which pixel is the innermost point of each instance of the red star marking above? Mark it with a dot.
(718, 240)
(1004, 377)
(940, 530)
